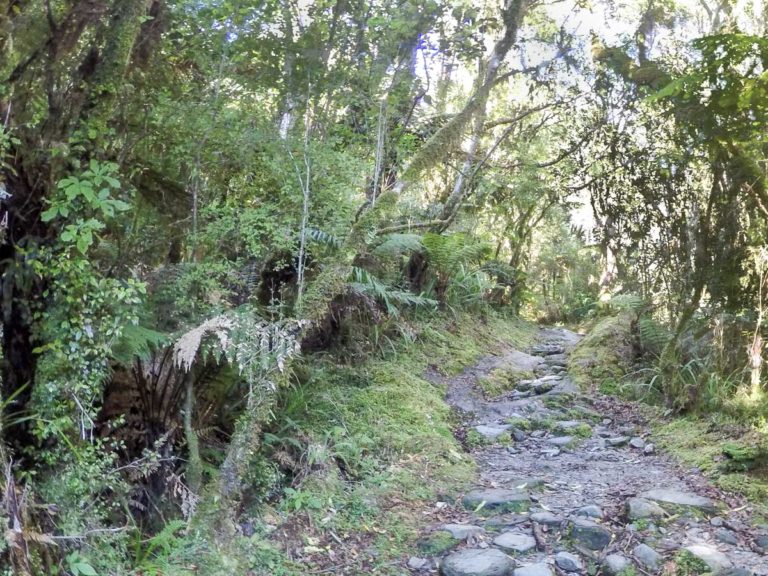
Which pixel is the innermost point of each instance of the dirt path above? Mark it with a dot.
(571, 485)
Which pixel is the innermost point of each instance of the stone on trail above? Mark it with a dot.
(492, 431)
(649, 449)
(638, 508)
(615, 564)
(726, 536)
(568, 562)
(762, 542)
(678, 498)
(560, 440)
(547, 518)
(416, 563)
(475, 562)
(515, 542)
(567, 424)
(462, 531)
(517, 435)
(497, 500)
(590, 511)
(637, 442)
(618, 441)
(590, 534)
(647, 557)
(540, 569)
(711, 556)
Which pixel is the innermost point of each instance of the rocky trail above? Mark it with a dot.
(571, 485)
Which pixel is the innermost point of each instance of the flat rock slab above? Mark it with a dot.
(462, 531)
(475, 562)
(534, 570)
(515, 542)
(497, 500)
(711, 556)
(517, 483)
(547, 518)
(492, 431)
(560, 440)
(589, 534)
(679, 498)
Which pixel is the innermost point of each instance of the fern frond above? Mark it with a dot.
(366, 283)
(137, 342)
(653, 336)
(323, 237)
(395, 244)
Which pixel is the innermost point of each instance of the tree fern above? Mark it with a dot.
(366, 283)
(653, 336)
(626, 303)
(395, 244)
(137, 342)
(447, 253)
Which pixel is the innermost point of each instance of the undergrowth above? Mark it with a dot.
(364, 450)
(721, 432)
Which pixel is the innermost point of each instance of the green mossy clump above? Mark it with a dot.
(436, 543)
(741, 457)
(523, 424)
(702, 443)
(502, 380)
(605, 355)
(686, 564)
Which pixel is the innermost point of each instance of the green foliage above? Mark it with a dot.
(366, 283)
(79, 566)
(396, 244)
(653, 336)
(87, 201)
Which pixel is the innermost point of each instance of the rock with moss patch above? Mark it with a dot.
(679, 498)
(436, 543)
(462, 531)
(495, 500)
(590, 534)
(476, 562)
(638, 508)
(492, 431)
(715, 560)
(560, 440)
(615, 564)
(647, 557)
